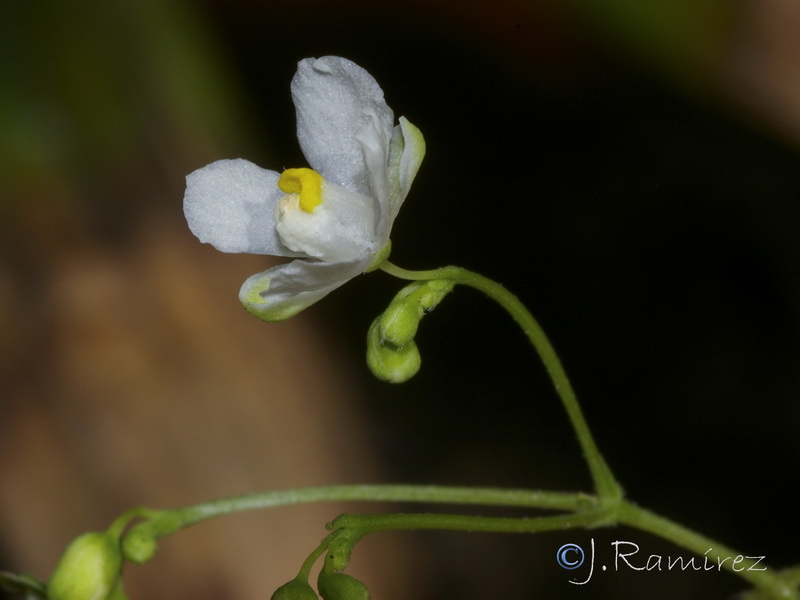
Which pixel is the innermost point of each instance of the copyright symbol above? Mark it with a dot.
(569, 556)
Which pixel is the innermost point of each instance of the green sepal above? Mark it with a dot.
(340, 586)
(294, 590)
(388, 362)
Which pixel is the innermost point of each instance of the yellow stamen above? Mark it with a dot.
(306, 183)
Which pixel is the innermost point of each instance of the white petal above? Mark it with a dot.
(406, 152)
(230, 204)
(341, 115)
(413, 153)
(375, 145)
(283, 291)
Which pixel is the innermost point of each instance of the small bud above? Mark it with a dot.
(432, 292)
(88, 570)
(401, 319)
(398, 324)
(139, 545)
(339, 586)
(294, 590)
(392, 354)
(388, 362)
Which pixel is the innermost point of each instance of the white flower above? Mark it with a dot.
(333, 220)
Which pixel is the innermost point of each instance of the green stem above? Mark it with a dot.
(119, 525)
(366, 524)
(587, 511)
(308, 563)
(776, 584)
(167, 522)
(604, 481)
(606, 508)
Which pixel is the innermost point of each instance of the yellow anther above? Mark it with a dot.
(306, 183)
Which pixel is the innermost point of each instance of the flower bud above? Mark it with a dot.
(88, 570)
(392, 354)
(339, 586)
(294, 590)
(388, 362)
(399, 323)
(139, 545)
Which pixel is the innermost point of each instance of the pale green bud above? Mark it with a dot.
(388, 362)
(432, 292)
(399, 323)
(294, 590)
(89, 569)
(392, 354)
(339, 586)
(139, 545)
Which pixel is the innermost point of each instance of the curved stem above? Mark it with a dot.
(167, 522)
(586, 511)
(308, 563)
(583, 510)
(604, 481)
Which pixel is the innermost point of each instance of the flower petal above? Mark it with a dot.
(230, 204)
(375, 147)
(406, 151)
(339, 228)
(341, 116)
(283, 291)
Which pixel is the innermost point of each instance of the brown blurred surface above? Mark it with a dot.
(132, 376)
(129, 373)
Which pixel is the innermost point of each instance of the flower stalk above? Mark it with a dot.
(605, 483)
(579, 511)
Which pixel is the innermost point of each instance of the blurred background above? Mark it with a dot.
(629, 169)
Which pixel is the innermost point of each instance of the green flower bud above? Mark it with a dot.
(388, 362)
(432, 292)
(339, 586)
(392, 354)
(398, 324)
(294, 590)
(89, 569)
(401, 319)
(139, 545)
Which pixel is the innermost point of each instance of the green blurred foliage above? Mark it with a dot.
(682, 40)
(94, 89)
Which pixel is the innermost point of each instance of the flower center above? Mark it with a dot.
(306, 183)
(339, 228)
